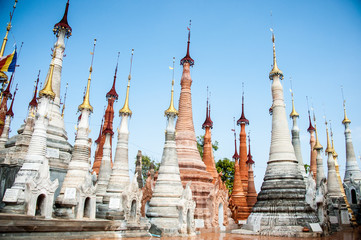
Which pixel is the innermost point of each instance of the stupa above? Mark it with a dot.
(4, 105)
(296, 143)
(243, 167)
(58, 149)
(78, 189)
(238, 202)
(208, 157)
(8, 116)
(281, 208)
(33, 192)
(313, 162)
(111, 96)
(166, 210)
(192, 168)
(352, 179)
(251, 190)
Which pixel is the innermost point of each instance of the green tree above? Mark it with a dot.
(200, 145)
(226, 166)
(307, 168)
(146, 162)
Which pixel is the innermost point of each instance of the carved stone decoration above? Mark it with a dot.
(186, 209)
(321, 202)
(132, 199)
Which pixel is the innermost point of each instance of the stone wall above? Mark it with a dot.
(7, 178)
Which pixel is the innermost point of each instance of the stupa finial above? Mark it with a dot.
(125, 110)
(171, 110)
(86, 103)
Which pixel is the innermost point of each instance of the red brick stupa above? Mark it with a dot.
(191, 166)
(243, 121)
(112, 95)
(251, 191)
(208, 157)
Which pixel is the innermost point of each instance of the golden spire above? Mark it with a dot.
(63, 109)
(48, 86)
(318, 145)
(86, 103)
(334, 153)
(171, 110)
(2, 50)
(293, 113)
(329, 148)
(275, 70)
(345, 120)
(125, 110)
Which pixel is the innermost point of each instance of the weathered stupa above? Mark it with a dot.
(165, 209)
(58, 150)
(238, 203)
(78, 189)
(191, 166)
(296, 143)
(208, 157)
(111, 96)
(243, 167)
(33, 192)
(8, 116)
(352, 179)
(251, 190)
(313, 162)
(281, 208)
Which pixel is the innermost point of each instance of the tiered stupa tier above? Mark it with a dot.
(191, 166)
(112, 95)
(281, 208)
(243, 167)
(296, 143)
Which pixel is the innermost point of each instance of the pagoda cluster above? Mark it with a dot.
(55, 188)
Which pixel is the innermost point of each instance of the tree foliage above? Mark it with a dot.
(146, 162)
(200, 145)
(307, 168)
(226, 166)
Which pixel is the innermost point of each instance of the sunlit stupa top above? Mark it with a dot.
(275, 70)
(188, 58)
(171, 110)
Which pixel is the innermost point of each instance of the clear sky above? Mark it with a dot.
(318, 45)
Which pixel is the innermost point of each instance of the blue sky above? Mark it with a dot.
(317, 42)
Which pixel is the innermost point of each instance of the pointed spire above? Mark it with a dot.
(63, 109)
(242, 119)
(8, 28)
(188, 58)
(10, 111)
(345, 119)
(235, 155)
(293, 113)
(7, 90)
(63, 24)
(33, 101)
(275, 70)
(112, 92)
(334, 153)
(329, 148)
(125, 110)
(208, 122)
(310, 128)
(48, 86)
(318, 145)
(171, 110)
(249, 160)
(86, 103)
